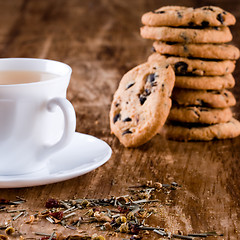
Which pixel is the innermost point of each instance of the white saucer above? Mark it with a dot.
(84, 154)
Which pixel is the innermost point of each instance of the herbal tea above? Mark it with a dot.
(19, 77)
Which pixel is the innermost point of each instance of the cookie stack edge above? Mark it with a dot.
(194, 41)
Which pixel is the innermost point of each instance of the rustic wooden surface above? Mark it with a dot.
(100, 40)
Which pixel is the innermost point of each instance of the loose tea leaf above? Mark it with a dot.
(126, 214)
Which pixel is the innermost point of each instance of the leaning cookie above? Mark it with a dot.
(205, 82)
(142, 103)
(209, 51)
(203, 98)
(187, 35)
(196, 114)
(187, 16)
(191, 132)
(186, 66)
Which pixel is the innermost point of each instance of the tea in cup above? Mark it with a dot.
(36, 119)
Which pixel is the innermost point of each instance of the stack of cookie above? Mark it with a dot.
(193, 41)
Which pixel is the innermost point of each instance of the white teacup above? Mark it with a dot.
(36, 119)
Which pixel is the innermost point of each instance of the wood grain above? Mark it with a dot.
(100, 40)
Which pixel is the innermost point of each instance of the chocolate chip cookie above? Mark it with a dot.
(205, 82)
(187, 35)
(192, 132)
(186, 66)
(142, 103)
(203, 98)
(209, 51)
(197, 114)
(187, 16)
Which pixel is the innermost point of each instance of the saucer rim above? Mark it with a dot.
(18, 181)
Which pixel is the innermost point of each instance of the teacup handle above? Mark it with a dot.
(69, 125)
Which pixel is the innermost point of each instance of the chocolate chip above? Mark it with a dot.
(151, 78)
(130, 85)
(220, 18)
(185, 48)
(167, 66)
(128, 119)
(179, 14)
(153, 49)
(196, 113)
(117, 104)
(142, 99)
(205, 23)
(116, 117)
(224, 13)
(159, 12)
(126, 132)
(163, 87)
(147, 92)
(183, 36)
(216, 28)
(208, 8)
(153, 84)
(180, 67)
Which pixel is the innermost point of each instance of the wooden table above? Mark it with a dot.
(100, 40)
